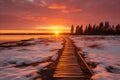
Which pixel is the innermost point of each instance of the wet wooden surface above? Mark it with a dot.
(68, 67)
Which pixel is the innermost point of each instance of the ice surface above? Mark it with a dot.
(104, 51)
(22, 60)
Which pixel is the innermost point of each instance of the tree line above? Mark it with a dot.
(103, 28)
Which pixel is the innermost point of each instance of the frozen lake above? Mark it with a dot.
(22, 37)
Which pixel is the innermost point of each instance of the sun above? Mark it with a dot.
(56, 32)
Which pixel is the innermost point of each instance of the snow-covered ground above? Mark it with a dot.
(103, 52)
(23, 60)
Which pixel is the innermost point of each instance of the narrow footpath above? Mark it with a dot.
(69, 67)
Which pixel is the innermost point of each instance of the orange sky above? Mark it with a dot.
(38, 29)
(44, 15)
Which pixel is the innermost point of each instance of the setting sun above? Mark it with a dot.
(57, 32)
(57, 29)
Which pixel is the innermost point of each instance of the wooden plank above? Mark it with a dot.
(68, 67)
(62, 66)
(64, 69)
(68, 71)
(70, 79)
(67, 64)
(69, 76)
(72, 67)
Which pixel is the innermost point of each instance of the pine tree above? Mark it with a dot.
(106, 28)
(86, 30)
(94, 30)
(72, 29)
(81, 30)
(77, 30)
(117, 30)
(89, 29)
(100, 29)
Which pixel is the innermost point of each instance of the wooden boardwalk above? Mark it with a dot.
(69, 67)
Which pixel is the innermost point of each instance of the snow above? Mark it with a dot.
(103, 51)
(19, 60)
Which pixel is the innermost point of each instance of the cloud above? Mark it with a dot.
(76, 10)
(40, 3)
(30, 0)
(24, 1)
(64, 8)
(56, 6)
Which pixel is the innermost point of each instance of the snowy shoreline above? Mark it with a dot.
(102, 54)
(24, 59)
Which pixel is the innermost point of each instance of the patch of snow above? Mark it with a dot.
(38, 51)
(54, 57)
(104, 50)
(42, 65)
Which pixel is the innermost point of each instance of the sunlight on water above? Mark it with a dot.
(22, 37)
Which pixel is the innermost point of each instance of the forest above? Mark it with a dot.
(103, 28)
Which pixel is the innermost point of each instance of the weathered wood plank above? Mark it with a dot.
(70, 76)
(68, 67)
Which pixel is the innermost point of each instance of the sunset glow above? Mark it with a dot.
(56, 32)
(38, 29)
(48, 39)
(57, 29)
(47, 15)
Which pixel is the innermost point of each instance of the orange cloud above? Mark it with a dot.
(71, 10)
(65, 11)
(63, 8)
(56, 6)
(76, 10)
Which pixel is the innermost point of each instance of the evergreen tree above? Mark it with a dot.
(81, 30)
(100, 29)
(89, 31)
(94, 30)
(72, 29)
(106, 28)
(117, 30)
(77, 30)
(86, 30)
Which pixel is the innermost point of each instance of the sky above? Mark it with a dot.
(46, 15)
